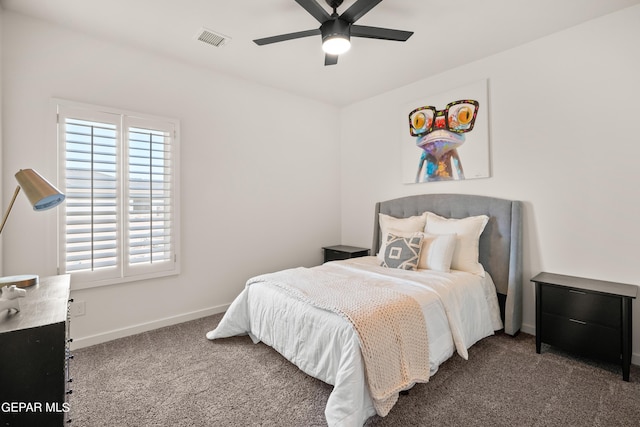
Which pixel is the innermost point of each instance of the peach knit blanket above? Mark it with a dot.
(389, 324)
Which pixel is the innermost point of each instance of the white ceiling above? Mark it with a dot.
(447, 34)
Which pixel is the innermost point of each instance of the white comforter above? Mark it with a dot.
(459, 309)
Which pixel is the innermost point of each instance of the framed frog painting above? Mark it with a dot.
(445, 137)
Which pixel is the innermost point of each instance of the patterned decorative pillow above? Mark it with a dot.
(402, 252)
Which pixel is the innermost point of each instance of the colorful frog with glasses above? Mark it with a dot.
(439, 133)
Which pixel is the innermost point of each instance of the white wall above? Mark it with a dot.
(252, 202)
(564, 139)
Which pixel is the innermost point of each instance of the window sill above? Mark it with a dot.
(77, 285)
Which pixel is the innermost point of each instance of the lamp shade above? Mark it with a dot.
(40, 192)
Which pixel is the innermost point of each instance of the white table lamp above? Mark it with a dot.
(42, 195)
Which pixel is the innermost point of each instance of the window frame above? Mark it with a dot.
(123, 272)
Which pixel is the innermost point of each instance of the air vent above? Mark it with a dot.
(212, 38)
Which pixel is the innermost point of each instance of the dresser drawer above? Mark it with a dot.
(588, 339)
(583, 306)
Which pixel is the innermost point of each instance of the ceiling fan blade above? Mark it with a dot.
(330, 59)
(284, 37)
(314, 9)
(358, 10)
(380, 33)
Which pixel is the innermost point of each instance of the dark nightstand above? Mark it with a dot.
(588, 317)
(333, 253)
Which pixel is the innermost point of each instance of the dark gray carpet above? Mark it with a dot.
(175, 377)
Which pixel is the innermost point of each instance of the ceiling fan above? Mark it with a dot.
(336, 30)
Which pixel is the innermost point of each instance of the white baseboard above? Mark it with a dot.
(531, 330)
(528, 329)
(144, 327)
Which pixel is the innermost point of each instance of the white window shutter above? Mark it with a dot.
(119, 173)
(150, 193)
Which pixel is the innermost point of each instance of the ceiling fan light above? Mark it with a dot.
(336, 45)
(335, 36)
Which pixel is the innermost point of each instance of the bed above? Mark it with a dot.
(459, 307)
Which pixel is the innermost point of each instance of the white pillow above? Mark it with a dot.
(468, 231)
(399, 227)
(437, 251)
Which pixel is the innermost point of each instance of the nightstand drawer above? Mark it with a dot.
(332, 255)
(576, 336)
(580, 305)
(339, 252)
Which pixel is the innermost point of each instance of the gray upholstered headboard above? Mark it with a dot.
(500, 242)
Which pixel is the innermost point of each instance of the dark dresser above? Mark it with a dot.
(338, 252)
(588, 317)
(34, 357)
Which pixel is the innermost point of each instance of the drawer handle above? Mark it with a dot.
(578, 321)
(577, 292)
